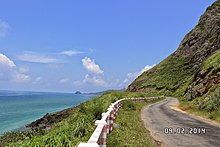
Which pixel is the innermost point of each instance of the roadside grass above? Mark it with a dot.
(192, 107)
(129, 130)
(76, 128)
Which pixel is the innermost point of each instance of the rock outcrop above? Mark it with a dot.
(48, 120)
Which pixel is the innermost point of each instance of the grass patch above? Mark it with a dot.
(193, 107)
(212, 61)
(130, 130)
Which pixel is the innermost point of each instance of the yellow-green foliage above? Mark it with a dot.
(212, 61)
(213, 104)
(208, 108)
(170, 75)
(66, 133)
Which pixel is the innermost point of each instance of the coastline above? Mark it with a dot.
(45, 130)
(32, 110)
(45, 122)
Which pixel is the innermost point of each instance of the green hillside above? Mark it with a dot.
(192, 72)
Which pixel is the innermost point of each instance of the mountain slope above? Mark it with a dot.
(193, 70)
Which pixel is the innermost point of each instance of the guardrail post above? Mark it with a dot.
(111, 119)
(104, 132)
(117, 108)
(114, 111)
(106, 116)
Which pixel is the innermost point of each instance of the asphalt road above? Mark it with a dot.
(174, 128)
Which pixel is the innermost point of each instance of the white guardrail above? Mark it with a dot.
(105, 125)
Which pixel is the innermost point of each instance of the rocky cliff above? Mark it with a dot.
(193, 70)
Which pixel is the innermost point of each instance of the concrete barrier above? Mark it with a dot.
(105, 125)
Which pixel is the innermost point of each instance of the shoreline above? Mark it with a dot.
(47, 115)
(49, 119)
(44, 122)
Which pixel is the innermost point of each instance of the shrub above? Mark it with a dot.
(128, 105)
(113, 99)
(81, 126)
(212, 104)
(211, 116)
(82, 108)
(97, 112)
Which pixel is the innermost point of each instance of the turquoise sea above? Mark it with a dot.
(20, 108)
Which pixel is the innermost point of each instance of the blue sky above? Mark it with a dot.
(86, 45)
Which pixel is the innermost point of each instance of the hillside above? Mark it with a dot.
(193, 70)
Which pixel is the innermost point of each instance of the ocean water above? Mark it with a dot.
(20, 108)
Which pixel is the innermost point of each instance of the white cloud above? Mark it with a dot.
(20, 77)
(96, 80)
(65, 80)
(37, 79)
(9, 71)
(36, 58)
(91, 50)
(71, 52)
(91, 66)
(147, 67)
(4, 27)
(131, 76)
(78, 83)
(23, 69)
(4, 60)
(125, 80)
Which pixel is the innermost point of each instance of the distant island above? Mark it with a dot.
(78, 92)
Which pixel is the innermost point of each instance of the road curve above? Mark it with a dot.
(177, 129)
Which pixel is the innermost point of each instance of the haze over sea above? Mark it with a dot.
(20, 108)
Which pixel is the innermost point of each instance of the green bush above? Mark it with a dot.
(14, 136)
(82, 108)
(211, 116)
(213, 104)
(129, 105)
(97, 112)
(81, 126)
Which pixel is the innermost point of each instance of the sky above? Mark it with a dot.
(88, 45)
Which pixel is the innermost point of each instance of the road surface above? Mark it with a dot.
(174, 128)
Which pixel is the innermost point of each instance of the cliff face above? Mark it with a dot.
(193, 70)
